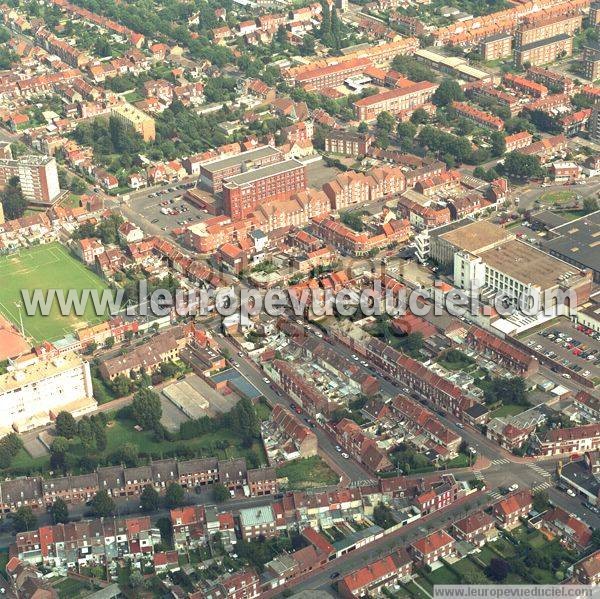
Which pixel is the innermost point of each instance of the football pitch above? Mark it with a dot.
(44, 267)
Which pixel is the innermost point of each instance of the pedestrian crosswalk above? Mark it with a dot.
(495, 494)
(477, 474)
(542, 486)
(539, 470)
(500, 461)
(362, 483)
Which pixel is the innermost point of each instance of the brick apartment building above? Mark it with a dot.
(482, 89)
(524, 85)
(480, 117)
(245, 192)
(331, 75)
(348, 241)
(517, 141)
(502, 352)
(401, 100)
(133, 118)
(38, 177)
(551, 79)
(544, 51)
(590, 61)
(348, 143)
(213, 172)
(496, 46)
(534, 30)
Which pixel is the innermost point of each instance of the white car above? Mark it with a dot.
(513, 488)
(345, 456)
(338, 448)
(355, 357)
(460, 425)
(566, 375)
(571, 493)
(266, 380)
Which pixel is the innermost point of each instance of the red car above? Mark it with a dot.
(298, 411)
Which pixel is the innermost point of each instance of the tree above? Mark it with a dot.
(382, 516)
(66, 425)
(58, 453)
(498, 143)
(498, 569)
(102, 505)
(220, 493)
(419, 117)
(308, 45)
(476, 483)
(540, 501)
(412, 342)
(146, 408)
(413, 69)
(508, 391)
(24, 519)
(386, 122)
(590, 204)
(129, 454)
(406, 134)
(363, 127)
(149, 499)
(12, 200)
(545, 122)
(522, 166)
(174, 495)
(136, 579)
(448, 91)
(59, 511)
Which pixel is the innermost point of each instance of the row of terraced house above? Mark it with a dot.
(38, 492)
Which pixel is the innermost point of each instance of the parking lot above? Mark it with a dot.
(318, 173)
(166, 208)
(570, 345)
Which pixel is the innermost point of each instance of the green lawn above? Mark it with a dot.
(119, 432)
(558, 197)
(133, 97)
(441, 575)
(263, 410)
(46, 267)
(507, 410)
(3, 560)
(415, 591)
(571, 214)
(308, 472)
(69, 588)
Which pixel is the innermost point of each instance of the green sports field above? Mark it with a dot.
(49, 266)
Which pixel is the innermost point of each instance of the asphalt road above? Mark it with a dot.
(401, 538)
(353, 470)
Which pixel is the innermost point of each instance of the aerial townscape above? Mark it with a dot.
(298, 298)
